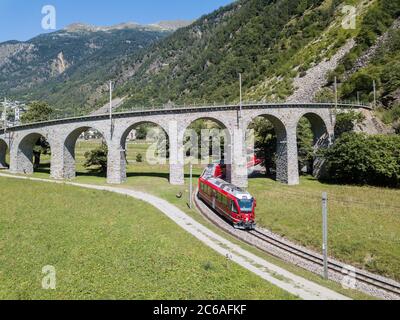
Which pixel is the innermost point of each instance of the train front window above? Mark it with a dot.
(246, 205)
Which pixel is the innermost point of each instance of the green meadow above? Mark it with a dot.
(107, 246)
(364, 222)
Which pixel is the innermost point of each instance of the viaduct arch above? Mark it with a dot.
(62, 135)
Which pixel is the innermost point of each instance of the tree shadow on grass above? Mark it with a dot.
(95, 172)
(163, 175)
(92, 173)
(43, 168)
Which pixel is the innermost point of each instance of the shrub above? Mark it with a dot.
(97, 158)
(139, 157)
(325, 95)
(362, 159)
(346, 121)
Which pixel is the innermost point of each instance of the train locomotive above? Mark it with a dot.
(231, 202)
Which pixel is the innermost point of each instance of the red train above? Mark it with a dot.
(231, 202)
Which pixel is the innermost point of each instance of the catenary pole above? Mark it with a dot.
(191, 186)
(325, 232)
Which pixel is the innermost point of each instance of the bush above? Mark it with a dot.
(325, 95)
(346, 121)
(362, 159)
(139, 158)
(97, 158)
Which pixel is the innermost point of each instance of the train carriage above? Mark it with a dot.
(231, 202)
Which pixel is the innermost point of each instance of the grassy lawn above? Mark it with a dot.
(364, 222)
(107, 246)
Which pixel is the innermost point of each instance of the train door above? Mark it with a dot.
(214, 195)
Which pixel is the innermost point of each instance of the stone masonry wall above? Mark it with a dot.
(63, 137)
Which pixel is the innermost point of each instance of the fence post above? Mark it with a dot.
(191, 186)
(325, 232)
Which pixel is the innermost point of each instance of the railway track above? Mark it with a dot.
(366, 278)
(373, 284)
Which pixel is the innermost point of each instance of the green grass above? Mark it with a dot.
(107, 246)
(359, 227)
(364, 222)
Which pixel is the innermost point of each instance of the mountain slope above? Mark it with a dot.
(68, 67)
(202, 61)
(287, 50)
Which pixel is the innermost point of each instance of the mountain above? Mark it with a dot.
(69, 68)
(287, 50)
(171, 25)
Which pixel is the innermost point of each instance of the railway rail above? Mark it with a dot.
(369, 279)
(266, 241)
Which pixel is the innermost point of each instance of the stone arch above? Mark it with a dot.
(322, 138)
(196, 117)
(22, 156)
(127, 130)
(319, 128)
(283, 172)
(3, 153)
(69, 145)
(122, 154)
(227, 134)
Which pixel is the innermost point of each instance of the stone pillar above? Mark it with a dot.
(176, 156)
(21, 159)
(236, 168)
(3, 152)
(68, 158)
(322, 139)
(116, 164)
(287, 166)
(57, 160)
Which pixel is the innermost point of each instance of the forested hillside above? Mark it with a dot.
(278, 45)
(287, 50)
(68, 68)
(255, 37)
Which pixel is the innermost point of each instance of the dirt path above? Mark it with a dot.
(279, 277)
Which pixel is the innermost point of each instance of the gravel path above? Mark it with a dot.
(279, 277)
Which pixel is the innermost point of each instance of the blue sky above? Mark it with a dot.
(21, 19)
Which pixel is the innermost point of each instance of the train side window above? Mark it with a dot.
(233, 207)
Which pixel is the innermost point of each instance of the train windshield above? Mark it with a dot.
(246, 205)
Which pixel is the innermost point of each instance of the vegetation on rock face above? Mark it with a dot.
(346, 121)
(202, 62)
(382, 65)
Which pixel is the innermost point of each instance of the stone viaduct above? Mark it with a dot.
(62, 136)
